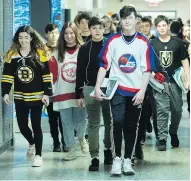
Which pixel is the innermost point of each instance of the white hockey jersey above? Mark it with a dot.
(128, 61)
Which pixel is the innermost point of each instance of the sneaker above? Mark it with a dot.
(56, 147)
(65, 149)
(31, 152)
(84, 145)
(139, 152)
(37, 161)
(127, 167)
(94, 165)
(161, 145)
(71, 155)
(116, 167)
(108, 158)
(174, 140)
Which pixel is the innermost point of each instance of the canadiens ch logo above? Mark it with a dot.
(25, 74)
(68, 72)
(127, 63)
(166, 58)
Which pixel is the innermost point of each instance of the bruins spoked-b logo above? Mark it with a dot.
(166, 58)
(25, 74)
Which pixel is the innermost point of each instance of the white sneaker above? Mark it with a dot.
(84, 145)
(71, 155)
(37, 161)
(127, 167)
(116, 167)
(31, 152)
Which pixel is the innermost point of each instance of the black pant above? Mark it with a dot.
(55, 124)
(148, 110)
(126, 119)
(188, 101)
(22, 112)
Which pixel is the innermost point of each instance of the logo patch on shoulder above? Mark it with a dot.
(127, 63)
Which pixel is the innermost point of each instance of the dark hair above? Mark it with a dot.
(139, 15)
(180, 21)
(115, 16)
(126, 11)
(50, 27)
(62, 45)
(160, 18)
(176, 28)
(83, 15)
(146, 19)
(37, 42)
(95, 21)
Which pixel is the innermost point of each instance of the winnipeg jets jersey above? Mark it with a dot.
(128, 61)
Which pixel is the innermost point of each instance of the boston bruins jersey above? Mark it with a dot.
(31, 79)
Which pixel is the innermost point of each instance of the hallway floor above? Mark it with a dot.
(173, 164)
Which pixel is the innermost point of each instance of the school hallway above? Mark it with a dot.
(173, 164)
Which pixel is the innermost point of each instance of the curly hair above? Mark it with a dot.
(37, 42)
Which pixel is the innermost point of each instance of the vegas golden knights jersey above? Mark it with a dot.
(31, 77)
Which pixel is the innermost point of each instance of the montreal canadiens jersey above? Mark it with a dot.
(128, 61)
(31, 80)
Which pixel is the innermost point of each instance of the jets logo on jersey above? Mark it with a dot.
(166, 58)
(69, 72)
(25, 74)
(127, 63)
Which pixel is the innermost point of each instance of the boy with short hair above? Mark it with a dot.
(172, 54)
(82, 20)
(87, 69)
(131, 58)
(52, 35)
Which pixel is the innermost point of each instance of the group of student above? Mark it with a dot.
(62, 73)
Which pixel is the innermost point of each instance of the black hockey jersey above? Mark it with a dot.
(31, 80)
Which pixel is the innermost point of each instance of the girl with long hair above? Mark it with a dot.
(109, 27)
(64, 90)
(26, 66)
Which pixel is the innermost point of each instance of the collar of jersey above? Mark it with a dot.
(127, 41)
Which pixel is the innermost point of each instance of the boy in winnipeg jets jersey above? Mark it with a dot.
(131, 58)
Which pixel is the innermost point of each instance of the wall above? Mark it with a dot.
(38, 19)
(182, 7)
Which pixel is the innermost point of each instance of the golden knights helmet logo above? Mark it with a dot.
(25, 74)
(166, 58)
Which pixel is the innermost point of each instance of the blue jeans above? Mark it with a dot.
(73, 118)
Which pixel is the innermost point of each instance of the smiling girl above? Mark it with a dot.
(63, 69)
(26, 66)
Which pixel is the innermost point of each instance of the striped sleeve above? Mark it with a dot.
(47, 81)
(147, 56)
(7, 78)
(105, 54)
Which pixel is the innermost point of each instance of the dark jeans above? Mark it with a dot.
(148, 110)
(125, 119)
(22, 113)
(55, 125)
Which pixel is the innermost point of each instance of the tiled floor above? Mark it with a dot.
(174, 164)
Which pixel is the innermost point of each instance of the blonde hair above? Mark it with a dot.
(112, 27)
